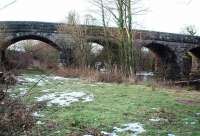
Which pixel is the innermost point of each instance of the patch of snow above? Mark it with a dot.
(41, 83)
(198, 114)
(157, 119)
(190, 121)
(46, 90)
(108, 134)
(64, 99)
(13, 95)
(154, 108)
(193, 123)
(31, 80)
(22, 93)
(134, 128)
(36, 114)
(170, 135)
(40, 123)
(59, 78)
(57, 132)
(88, 98)
(20, 79)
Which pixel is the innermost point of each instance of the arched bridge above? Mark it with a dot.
(170, 48)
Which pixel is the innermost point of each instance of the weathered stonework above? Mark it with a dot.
(170, 48)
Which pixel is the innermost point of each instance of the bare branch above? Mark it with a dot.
(8, 4)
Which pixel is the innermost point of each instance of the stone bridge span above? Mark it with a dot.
(171, 48)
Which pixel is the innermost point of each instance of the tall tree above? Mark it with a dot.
(122, 12)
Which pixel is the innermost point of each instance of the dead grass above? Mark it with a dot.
(112, 76)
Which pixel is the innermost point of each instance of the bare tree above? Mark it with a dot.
(8, 4)
(81, 49)
(122, 12)
(105, 20)
(190, 30)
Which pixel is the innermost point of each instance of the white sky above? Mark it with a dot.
(163, 15)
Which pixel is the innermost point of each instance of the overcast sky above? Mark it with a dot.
(162, 15)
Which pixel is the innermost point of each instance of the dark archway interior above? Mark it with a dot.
(195, 56)
(196, 52)
(166, 65)
(108, 46)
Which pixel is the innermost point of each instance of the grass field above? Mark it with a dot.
(103, 106)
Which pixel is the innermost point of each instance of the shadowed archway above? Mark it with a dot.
(166, 65)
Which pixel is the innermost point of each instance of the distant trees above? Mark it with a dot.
(190, 30)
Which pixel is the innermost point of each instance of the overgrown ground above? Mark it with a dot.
(161, 112)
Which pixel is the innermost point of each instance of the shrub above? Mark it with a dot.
(15, 117)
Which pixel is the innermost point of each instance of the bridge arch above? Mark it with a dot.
(14, 39)
(195, 58)
(166, 65)
(111, 45)
(31, 37)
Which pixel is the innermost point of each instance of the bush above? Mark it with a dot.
(110, 77)
(15, 117)
(93, 75)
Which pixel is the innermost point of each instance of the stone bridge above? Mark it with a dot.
(171, 49)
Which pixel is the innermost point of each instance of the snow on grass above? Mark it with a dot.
(132, 128)
(198, 114)
(59, 78)
(64, 99)
(170, 135)
(37, 114)
(157, 119)
(41, 80)
(46, 90)
(190, 121)
(23, 92)
(40, 123)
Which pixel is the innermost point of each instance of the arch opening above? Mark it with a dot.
(23, 54)
(32, 37)
(165, 65)
(96, 53)
(194, 55)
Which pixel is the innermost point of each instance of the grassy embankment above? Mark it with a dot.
(116, 104)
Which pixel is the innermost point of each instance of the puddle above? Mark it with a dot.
(132, 128)
(64, 99)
